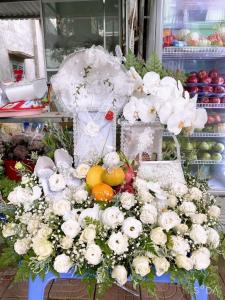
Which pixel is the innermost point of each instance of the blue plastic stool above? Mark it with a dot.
(37, 286)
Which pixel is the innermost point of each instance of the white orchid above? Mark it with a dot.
(151, 81)
(138, 82)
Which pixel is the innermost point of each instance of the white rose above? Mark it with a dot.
(145, 196)
(213, 238)
(161, 265)
(214, 211)
(179, 245)
(62, 263)
(66, 242)
(88, 234)
(111, 160)
(168, 220)
(22, 246)
(118, 243)
(182, 261)
(198, 218)
(81, 171)
(148, 214)
(172, 201)
(19, 195)
(93, 254)
(201, 259)
(80, 196)
(182, 228)
(71, 228)
(141, 265)
(9, 230)
(179, 189)
(44, 231)
(195, 194)
(36, 193)
(119, 273)
(188, 208)
(72, 215)
(42, 248)
(112, 217)
(33, 224)
(61, 207)
(158, 236)
(132, 227)
(127, 200)
(56, 182)
(198, 234)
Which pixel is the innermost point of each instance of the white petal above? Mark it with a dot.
(165, 112)
(167, 80)
(200, 118)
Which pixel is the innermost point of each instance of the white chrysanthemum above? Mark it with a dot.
(127, 200)
(61, 207)
(198, 234)
(132, 227)
(141, 265)
(80, 196)
(179, 189)
(62, 263)
(198, 218)
(119, 273)
(66, 242)
(201, 258)
(111, 160)
(22, 246)
(71, 228)
(93, 254)
(161, 265)
(145, 196)
(81, 171)
(112, 217)
(158, 236)
(9, 229)
(168, 220)
(88, 234)
(182, 228)
(118, 243)
(56, 182)
(42, 248)
(195, 194)
(214, 211)
(172, 201)
(140, 184)
(213, 238)
(179, 245)
(148, 214)
(188, 208)
(182, 261)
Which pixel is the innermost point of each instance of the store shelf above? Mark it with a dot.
(207, 162)
(211, 105)
(193, 52)
(199, 134)
(47, 116)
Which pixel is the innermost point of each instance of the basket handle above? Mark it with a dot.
(177, 147)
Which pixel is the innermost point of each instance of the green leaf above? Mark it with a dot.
(104, 247)
(9, 258)
(91, 286)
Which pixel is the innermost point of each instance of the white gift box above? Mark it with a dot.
(94, 135)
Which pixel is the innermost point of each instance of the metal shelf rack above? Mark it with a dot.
(190, 52)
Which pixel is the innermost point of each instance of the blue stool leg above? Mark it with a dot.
(201, 292)
(37, 286)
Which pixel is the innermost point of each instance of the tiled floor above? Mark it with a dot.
(75, 290)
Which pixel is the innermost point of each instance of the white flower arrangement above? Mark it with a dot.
(117, 238)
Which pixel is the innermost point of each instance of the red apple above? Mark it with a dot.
(206, 80)
(217, 118)
(218, 80)
(202, 74)
(192, 79)
(219, 89)
(207, 89)
(222, 100)
(213, 74)
(192, 89)
(205, 100)
(193, 73)
(210, 119)
(215, 100)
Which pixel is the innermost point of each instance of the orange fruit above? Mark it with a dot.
(114, 177)
(102, 192)
(94, 176)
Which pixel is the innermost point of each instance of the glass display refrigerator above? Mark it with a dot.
(193, 40)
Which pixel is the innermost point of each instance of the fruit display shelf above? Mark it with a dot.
(190, 52)
(207, 162)
(199, 134)
(211, 105)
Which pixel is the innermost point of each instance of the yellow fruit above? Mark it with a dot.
(94, 176)
(114, 177)
(102, 192)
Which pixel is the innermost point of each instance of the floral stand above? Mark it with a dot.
(37, 287)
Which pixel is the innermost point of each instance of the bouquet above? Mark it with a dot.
(112, 226)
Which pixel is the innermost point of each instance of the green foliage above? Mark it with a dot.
(104, 281)
(6, 186)
(133, 61)
(148, 284)
(58, 137)
(8, 257)
(91, 285)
